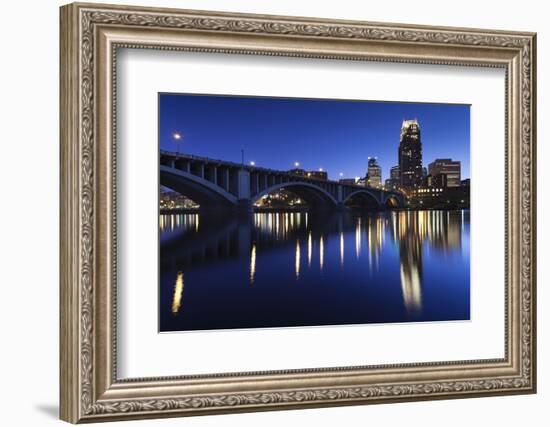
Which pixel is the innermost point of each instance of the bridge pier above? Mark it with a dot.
(244, 207)
(220, 186)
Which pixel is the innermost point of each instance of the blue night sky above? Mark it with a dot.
(335, 135)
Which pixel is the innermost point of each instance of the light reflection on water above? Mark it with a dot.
(252, 263)
(405, 266)
(178, 293)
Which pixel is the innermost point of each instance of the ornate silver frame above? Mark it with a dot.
(90, 36)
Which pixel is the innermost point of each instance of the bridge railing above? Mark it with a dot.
(261, 169)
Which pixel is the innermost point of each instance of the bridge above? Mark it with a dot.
(218, 184)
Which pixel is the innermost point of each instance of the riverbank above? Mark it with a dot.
(179, 211)
(304, 209)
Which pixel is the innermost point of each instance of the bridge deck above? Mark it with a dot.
(259, 169)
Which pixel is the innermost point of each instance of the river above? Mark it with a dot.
(282, 269)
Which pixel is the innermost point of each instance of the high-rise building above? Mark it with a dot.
(410, 155)
(394, 172)
(447, 167)
(374, 174)
(393, 183)
(436, 181)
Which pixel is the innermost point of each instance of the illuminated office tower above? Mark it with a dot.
(410, 155)
(447, 167)
(374, 174)
(393, 182)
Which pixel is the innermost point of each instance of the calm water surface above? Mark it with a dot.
(303, 269)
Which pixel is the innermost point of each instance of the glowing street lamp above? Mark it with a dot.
(320, 169)
(296, 164)
(252, 163)
(341, 174)
(177, 136)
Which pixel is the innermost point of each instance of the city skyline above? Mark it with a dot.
(286, 231)
(336, 135)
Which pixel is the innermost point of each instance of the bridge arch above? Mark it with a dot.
(362, 198)
(393, 201)
(202, 191)
(313, 194)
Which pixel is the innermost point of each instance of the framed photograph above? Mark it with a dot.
(265, 212)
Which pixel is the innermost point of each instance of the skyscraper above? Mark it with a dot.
(393, 182)
(410, 155)
(447, 167)
(394, 172)
(374, 173)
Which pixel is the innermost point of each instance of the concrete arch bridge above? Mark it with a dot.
(217, 184)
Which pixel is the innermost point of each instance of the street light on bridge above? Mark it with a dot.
(177, 136)
(252, 163)
(296, 164)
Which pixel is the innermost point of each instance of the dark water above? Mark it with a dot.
(302, 269)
